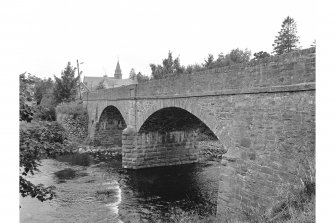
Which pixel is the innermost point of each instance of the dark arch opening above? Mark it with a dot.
(177, 119)
(109, 128)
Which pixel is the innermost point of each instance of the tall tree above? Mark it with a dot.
(66, 86)
(210, 61)
(41, 88)
(287, 39)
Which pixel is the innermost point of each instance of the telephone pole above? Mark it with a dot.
(79, 78)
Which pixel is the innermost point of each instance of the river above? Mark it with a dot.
(99, 190)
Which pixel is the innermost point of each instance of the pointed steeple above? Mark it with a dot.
(118, 74)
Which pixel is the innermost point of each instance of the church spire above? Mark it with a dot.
(118, 74)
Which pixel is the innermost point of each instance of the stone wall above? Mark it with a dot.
(288, 69)
(76, 126)
(152, 149)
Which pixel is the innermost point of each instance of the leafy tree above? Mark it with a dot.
(260, 55)
(168, 68)
(66, 86)
(100, 85)
(139, 76)
(287, 39)
(239, 56)
(26, 97)
(39, 140)
(42, 87)
(235, 56)
(210, 61)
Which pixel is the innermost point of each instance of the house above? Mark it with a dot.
(91, 83)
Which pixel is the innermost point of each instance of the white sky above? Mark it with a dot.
(40, 37)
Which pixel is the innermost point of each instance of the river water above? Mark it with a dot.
(99, 190)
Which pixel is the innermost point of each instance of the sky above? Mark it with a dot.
(40, 37)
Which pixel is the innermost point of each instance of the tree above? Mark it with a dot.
(287, 39)
(260, 55)
(41, 88)
(239, 56)
(66, 86)
(235, 56)
(26, 97)
(210, 61)
(37, 140)
(168, 68)
(139, 76)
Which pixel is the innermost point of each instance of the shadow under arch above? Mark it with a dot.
(108, 130)
(170, 119)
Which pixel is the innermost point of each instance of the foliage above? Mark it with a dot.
(26, 97)
(101, 85)
(43, 113)
(139, 76)
(193, 68)
(169, 67)
(66, 87)
(39, 140)
(287, 39)
(235, 56)
(41, 88)
(210, 61)
(71, 108)
(260, 55)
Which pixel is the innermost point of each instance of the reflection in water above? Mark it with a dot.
(104, 192)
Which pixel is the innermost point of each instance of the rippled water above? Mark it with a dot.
(96, 191)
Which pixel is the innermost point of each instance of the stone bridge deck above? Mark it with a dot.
(262, 112)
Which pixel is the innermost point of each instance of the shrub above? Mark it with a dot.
(71, 108)
(39, 140)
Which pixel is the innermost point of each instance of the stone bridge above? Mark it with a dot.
(263, 113)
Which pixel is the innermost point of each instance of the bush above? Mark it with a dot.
(71, 108)
(44, 113)
(39, 140)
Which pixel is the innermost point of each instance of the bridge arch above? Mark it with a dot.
(171, 119)
(191, 107)
(108, 130)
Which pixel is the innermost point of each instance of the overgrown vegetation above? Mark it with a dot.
(40, 136)
(39, 140)
(71, 108)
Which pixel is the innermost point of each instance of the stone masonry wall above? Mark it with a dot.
(152, 149)
(288, 69)
(75, 126)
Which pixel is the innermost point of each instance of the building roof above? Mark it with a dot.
(110, 82)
